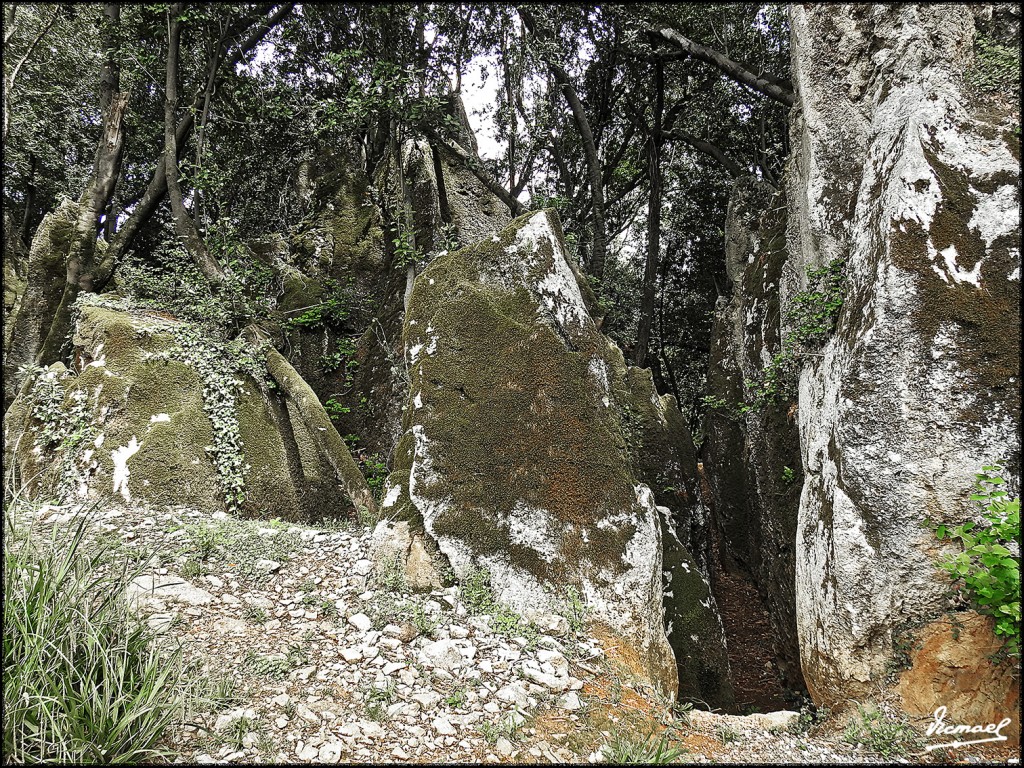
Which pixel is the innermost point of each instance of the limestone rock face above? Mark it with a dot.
(911, 178)
(130, 424)
(753, 458)
(516, 453)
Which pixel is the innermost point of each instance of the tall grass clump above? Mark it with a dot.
(83, 679)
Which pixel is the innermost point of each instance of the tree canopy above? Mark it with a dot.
(197, 125)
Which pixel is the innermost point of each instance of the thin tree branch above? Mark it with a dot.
(732, 69)
(710, 150)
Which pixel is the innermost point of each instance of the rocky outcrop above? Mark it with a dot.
(29, 322)
(910, 178)
(156, 414)
(349, 248)
(752, 454)
(523, 453)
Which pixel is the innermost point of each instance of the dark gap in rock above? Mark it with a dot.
(756, 678)
(442, 192)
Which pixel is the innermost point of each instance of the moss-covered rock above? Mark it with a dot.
(131, 423)
(27, 327)
(515, 454)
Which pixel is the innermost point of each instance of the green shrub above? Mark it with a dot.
(887, 735)
(987, 570)
(83, 680)
(338, 304)
(631, 749)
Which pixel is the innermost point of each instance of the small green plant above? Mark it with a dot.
(681, 711)
(375, 470)
(83, 681)
(478, 598)
(329, 609)
(192, 568)
(788, 475)
(297, 655)
(234, 735)
(632, 749)
(988, 571)
(715, 403)
(390, 575)
(490, 732)
(204, 539)
(342, 356)
(222, 693)
(887, 735)
(275, 666)
(811, 318)
(727, 734)
(377, 701)
(424, 622)
(576, 610)
(475, 592)
(510, 725)
(335, 308)
(406, 254)
(996, 67)
(456, 698)
(335, 410)
(811, 716)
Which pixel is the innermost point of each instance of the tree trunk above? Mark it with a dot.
(30, 201)
(183, 223)
(766, 86)
(98, 192)
(319, 425)
(157, 186)
(466, 159)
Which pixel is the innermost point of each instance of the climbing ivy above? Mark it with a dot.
(811, 318)
(996, 67)
(64, 424)
(219, 365)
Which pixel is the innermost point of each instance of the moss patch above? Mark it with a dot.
(517, 422)
(987, 320)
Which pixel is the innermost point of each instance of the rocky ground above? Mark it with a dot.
(302, 651)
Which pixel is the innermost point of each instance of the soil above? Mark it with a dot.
(748, 634)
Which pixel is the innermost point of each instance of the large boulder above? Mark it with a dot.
(911, 178)
(155, 413)
(516, 452)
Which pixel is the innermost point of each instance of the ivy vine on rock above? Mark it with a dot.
(220, 365)
(811, 318)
